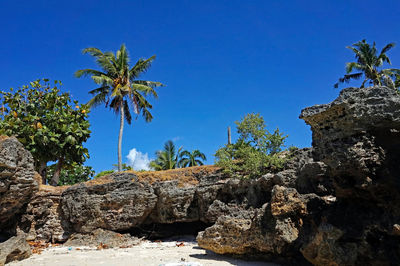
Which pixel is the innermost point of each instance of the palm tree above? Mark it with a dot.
(167, 158)
(368, 64)
(193, 158)
(119, 87)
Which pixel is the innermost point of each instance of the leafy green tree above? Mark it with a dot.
(368, 64)
(72, 174)
(48, 123)
(255, 152)
(168, 158)
(193, 158)
(119, 87)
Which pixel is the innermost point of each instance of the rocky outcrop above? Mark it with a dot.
(340, 205)
(15, 248)
(17, 182)
(102, 239)
(357, 138)
(337, 203)
(42, 218)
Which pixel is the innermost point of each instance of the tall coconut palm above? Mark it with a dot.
(193, 158)
(368, 64)
(119, 87)
(167, 158)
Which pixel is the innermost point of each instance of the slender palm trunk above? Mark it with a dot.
(121, 129)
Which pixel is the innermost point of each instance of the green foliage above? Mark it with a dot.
(189, 159)
(119, 87)
(74, 173)
(47, 122)
(103, 173)
(256, 151)
(170, 158)
(368, 64)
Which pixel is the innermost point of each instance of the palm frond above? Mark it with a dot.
(103, 89)
(128, 115)
(92, 51)
(88, 72)
(98, 99)
(141, 66)
(347, 78)
(145, 89)
(387, 47)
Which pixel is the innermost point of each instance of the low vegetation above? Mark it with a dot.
(255, 152)
(171, 158)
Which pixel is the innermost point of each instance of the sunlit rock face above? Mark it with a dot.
(337, 203)
(17, 181)
(340, 204)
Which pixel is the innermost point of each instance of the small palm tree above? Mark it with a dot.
(119, 87)
(167, 158)
(193, 158)
(368, 64)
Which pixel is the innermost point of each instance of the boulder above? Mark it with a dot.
(118, 205)
(15, 248)
(17, 181)
(42, 219)
(102, 239)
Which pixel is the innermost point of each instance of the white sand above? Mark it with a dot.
(146, 254)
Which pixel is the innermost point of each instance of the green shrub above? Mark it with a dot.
(72, 174)
(103, 173)
(256, 151)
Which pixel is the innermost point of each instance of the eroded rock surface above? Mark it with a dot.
(15, 248)
(337, 203)
(17, 182)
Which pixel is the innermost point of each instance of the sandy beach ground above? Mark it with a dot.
(167, 253)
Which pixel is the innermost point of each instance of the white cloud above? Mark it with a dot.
(176, 138)
(138, 160)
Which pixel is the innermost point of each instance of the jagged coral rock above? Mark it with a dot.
(15, 248)
(42, 218)
(117, 205)
(17, 182)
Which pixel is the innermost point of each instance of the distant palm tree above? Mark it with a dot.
(368, 64)
(167, 158)
(119, 88)
(193, 158)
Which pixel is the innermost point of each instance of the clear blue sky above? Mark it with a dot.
(219, 60)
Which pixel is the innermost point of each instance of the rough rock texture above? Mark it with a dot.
(337, 204)
(102, 239)
(17, 182)
(15, 248)
(42, 218)
(357, 137)
(118, 205)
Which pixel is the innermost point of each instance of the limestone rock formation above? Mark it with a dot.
(337, 203)
(118, 205)
(15, 248)
(102, 239)
(42, 217)
(338, 206)
(17, 182)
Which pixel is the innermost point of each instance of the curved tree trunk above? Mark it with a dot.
(43, 171)
(121, 129)
(56, 176)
